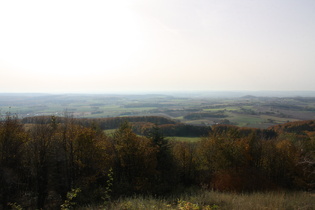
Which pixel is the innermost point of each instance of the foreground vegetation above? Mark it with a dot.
(208, 200)
(53, 162)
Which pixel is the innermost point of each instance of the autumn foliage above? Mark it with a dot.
(43, 161)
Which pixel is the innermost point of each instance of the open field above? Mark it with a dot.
(250, 111)
(110, 132)
(208, 200)
(187, 139)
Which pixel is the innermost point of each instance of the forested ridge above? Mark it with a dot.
(44, 158)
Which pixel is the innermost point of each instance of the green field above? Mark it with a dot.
(110, 132)
(186, 139)
(243, 120)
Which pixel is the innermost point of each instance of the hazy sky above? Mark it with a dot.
(156, 45)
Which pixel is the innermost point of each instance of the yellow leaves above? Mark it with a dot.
(286, 148)
(186, 205)
(283, 145)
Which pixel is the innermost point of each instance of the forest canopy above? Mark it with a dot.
(44, 158)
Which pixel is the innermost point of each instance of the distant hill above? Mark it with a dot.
(249, 97)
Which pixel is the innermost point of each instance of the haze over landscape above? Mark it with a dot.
(157, 104)
(158, 45)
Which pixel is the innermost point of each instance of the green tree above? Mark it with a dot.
(165, 177)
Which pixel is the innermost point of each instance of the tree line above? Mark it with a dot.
(41, 163)
(140, 124)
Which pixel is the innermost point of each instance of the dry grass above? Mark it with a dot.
(216, 200)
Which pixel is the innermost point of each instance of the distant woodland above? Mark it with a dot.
(44, 158)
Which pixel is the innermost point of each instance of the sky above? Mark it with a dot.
(65, 46)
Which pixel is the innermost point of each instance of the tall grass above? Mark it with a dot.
(217, 200)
